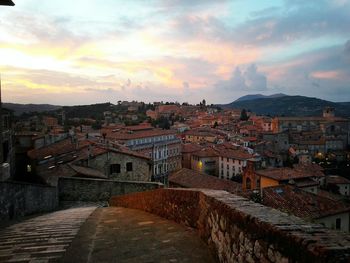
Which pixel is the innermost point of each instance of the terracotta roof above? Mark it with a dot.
(301, 203)
(286, 173)
(335, 179)
(87, 172)
(190, 148)
(101, 149)
(206, 152)
(306, 182)
(238, 154)
(299, 118)
(58, 148)
(123, 135)
(192, 179)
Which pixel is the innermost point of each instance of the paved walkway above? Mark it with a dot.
(131, 236)
(43, 238)
(92, 235)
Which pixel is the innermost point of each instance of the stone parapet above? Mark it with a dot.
(239, 230)
(87, 189)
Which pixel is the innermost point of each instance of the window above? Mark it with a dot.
(337, 223)
(129, 167)
(114, 168)
(248, 183)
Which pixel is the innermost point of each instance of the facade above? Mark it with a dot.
(187, 150)
(7, 157)
(232, 162)
(205, 161)
(304, 176)
(122, 165)
(162, 146)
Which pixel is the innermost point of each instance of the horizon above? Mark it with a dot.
(152, 102)
(59, 54)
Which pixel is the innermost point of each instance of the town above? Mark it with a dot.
(174, 131)
(299, 165)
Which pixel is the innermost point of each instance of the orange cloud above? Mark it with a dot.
(332, 74)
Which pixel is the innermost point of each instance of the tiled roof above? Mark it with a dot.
(192, 179)
(87, 172)
(58, 148)
(238, 154)
(138, 135)
(190, 147)
(301, 203)
(286, 173)
(206, 152)
(299, 118)
(335, 179)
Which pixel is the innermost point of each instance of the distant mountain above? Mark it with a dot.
(290, 106)
(22, 108)
(260, 96)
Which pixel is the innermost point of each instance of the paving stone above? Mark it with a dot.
(43, 238)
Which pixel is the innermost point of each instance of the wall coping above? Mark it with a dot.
(25, 183)
(108, 180)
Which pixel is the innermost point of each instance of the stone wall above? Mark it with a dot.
(82, 189)
(238, 230)
(20, 199)
(141, 169)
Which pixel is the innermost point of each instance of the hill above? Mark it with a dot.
(259, 96)
(94, 111)
(290, 106)
(18, 109)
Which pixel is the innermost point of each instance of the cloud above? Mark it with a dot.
(249, 80)
(322, 73)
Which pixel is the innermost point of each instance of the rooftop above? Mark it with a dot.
(192, 179)
(301, 203)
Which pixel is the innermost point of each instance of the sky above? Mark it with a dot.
(91, 51)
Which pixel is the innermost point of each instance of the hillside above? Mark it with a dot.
(259, 96)
(28, 108)
(290, 106)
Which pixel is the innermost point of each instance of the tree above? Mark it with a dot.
(244, 116)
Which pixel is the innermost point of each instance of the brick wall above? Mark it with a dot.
(238, 230)
(20, 199)
(81, 189)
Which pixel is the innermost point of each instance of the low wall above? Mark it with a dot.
(20, 199)
(238, 230)
(82, 189)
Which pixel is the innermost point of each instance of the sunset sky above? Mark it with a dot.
(89, 51)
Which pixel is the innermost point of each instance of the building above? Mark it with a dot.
(338, 184)
(7, 149)
(187, 150)
(232, 162)
(309, 177)
(205, 161)
(118, 164)
(50, 122)
(162, 146)
(200, 136)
